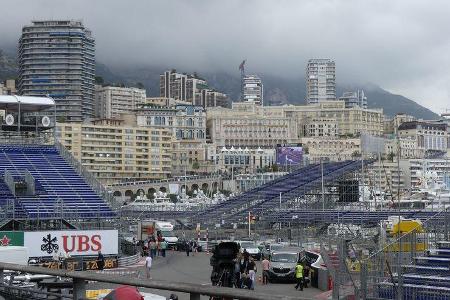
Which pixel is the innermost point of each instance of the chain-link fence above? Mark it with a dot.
(412, 261)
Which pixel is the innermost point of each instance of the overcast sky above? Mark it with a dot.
(401, 45)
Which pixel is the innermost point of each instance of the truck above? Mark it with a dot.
(155, 228)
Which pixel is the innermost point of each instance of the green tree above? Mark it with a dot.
(140, 85)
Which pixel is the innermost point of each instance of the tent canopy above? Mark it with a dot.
(27, 103)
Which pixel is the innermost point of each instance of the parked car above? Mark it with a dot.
(251, 248)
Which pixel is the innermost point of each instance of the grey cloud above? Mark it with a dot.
(401, 45)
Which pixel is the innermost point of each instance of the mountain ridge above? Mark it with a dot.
(277, 90)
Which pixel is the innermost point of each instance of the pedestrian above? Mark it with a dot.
(152, 247)
(299, 276)
(148, 266)
(191, 245)
(163, 248)
(265, 267)
(237, 272)
(252, 272)
(187, 247)
(100, 261)
(306, 279)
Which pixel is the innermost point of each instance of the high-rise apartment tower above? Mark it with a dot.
(57, 58)
(320, 80)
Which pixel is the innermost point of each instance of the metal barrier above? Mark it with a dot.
(194, 290)
(389, 265)
(128, 260)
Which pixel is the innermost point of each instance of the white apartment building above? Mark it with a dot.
(433, 171)
(384, 176)
(111, 101)
(429, 136)
(352, 99)
(252, 89)
(190, 88)
(320, 80)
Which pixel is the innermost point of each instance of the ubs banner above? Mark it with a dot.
(74, 242)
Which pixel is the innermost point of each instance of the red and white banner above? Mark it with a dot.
(74, 242)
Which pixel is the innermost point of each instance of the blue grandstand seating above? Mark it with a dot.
(58, 185)
(428, 278)
(263, 199)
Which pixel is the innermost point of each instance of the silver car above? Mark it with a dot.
(282, 265)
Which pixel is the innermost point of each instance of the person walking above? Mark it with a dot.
(100, 261)
(265, 269)
(188, 247)
(148, 266)
(299, 276)
(152, 246)
(252, 272)
(163, 246)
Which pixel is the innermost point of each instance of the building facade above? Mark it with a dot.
(426, 173)
(190, 88)
(386, 177)
(116, 150)
(252, 89)
(320, 80)
(188, 126)
(331, 148)
(111, 101)
(247, 124)
(8, 87)
(430, 137)
(352, 99)
(56, 58)
(244, 160)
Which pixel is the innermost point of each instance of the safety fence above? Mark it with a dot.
(79, 279)
(404, 259)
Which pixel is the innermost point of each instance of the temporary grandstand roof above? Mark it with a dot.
(26, 103)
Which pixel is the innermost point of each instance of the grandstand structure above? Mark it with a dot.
(310, 188)
(41, 184)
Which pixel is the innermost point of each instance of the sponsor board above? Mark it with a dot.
(79, 264)
(74, 242)
(11, 238)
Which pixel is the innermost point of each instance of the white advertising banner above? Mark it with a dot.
(74, 242)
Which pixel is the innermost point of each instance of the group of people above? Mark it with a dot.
(155, 247)
(152, 248)
(245, 271)
(301, 276)
(190, 246)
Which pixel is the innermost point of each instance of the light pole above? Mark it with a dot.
(323, 189)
